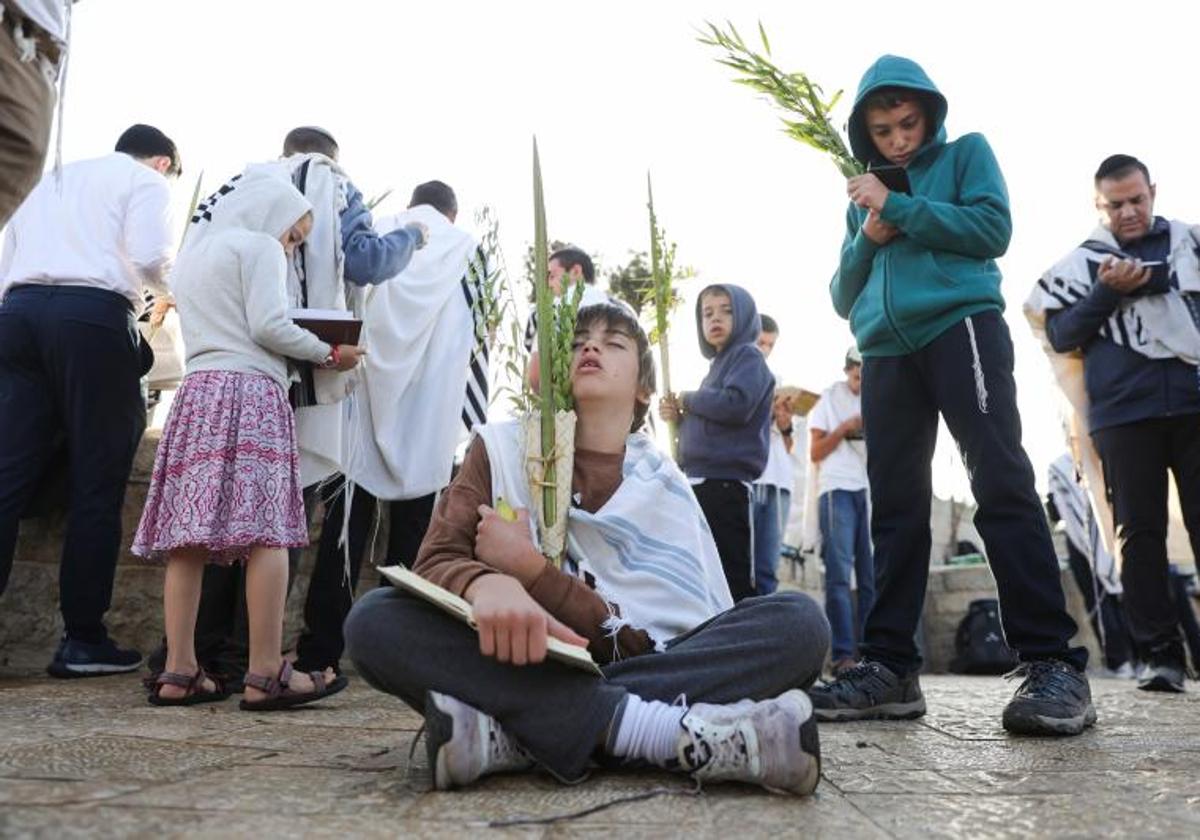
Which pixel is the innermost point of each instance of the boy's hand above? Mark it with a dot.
(670, 408)
(877, 230)
(507, 546)
(512, 626)
(867, 191)
(1123, 276)
(783, 413)
(852, 426)
(348, 356)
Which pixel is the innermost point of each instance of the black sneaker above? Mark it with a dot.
(868, 691)
(1164, 676)
(1054, 699)
(85, 659)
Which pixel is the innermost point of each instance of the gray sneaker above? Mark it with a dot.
(463, 743)
(772, 743)
(868, 691)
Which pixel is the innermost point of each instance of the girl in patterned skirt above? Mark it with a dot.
(226, 484)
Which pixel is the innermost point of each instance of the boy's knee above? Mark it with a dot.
(367, 617)
(803, 634)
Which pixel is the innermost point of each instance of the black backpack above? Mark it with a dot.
(979, 646)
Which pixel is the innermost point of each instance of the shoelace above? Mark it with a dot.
(503, 750)
(712, 748)
(1042, 679)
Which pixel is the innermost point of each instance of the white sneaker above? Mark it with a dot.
(772, 743)
(463, 743)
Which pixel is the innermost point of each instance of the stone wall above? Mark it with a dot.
(30, 623)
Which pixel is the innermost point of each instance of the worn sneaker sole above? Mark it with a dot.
(1021, 723)
(63, 671)
(439, 730)
(885, 711)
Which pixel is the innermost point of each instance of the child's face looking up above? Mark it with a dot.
(604, 365)
(716, 318)
(897, 132)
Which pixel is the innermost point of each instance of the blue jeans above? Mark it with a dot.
(846, 545)
(771, 505)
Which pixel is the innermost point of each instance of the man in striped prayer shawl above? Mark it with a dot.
(1127, 302)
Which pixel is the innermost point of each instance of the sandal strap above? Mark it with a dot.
(186, 681)
(318, 679)
(271, 686)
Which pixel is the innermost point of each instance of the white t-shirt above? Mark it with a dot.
(778, 472)
(108, 227)
(845, 468)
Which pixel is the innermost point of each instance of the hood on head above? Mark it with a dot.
(746, 323)
(895, 71)
(261, 200)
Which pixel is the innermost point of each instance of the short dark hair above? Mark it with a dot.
(438, 195)
(570, 257)
(145, 141)
(1114, 167)
(768, 324)
(887, 98)
(308, 139)
(620, 317)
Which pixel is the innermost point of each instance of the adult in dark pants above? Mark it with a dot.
(1128, 299)
(77, 258)
(919, 283)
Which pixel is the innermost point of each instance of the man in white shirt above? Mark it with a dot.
(773, 491)
(77, 260)
(33, 41)
(839, 453)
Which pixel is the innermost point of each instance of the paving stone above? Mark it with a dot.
(60, 792)
(110, 757)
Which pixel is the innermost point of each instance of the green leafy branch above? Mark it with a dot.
(802, 100)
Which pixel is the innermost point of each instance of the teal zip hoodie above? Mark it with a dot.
(942, 269)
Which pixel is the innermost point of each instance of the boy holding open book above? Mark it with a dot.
(641, 588)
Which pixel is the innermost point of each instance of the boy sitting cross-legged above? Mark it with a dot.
(641, 587)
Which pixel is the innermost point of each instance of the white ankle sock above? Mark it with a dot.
(648, 730)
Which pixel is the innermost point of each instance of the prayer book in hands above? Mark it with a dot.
(573, 655)
(333, 326)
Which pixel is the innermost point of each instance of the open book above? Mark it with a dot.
(572, 655)
(333, 326)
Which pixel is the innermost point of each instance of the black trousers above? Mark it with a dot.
(330, 590)
(966, 375)
(726, 506)
(70, 369)
(1136, 458)
(1108, 620)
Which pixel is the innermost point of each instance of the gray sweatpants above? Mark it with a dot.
(758, 649)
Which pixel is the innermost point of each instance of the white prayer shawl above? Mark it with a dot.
(649, 548)
(1157, 326)
(406, 418)
(1075, 510)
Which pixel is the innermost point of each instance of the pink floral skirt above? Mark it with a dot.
(227, 473)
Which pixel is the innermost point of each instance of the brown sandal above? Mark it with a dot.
(193, 687)
(280, 696)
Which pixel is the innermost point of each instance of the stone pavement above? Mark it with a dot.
(92, 759)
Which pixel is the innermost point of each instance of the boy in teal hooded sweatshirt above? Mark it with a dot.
(919, 283)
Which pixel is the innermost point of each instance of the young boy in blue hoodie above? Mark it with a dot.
(919, 283)
(725, 426)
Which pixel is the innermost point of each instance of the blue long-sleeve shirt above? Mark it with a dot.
(1123, 386)
(370, 257)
